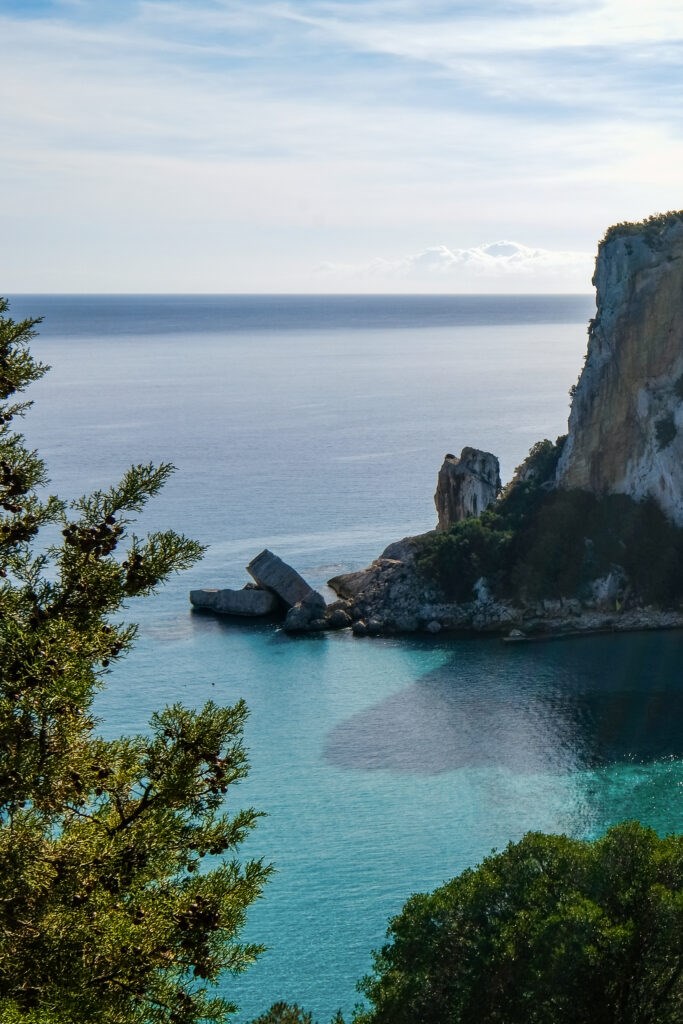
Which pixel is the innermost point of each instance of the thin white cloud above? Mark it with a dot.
(233, 145)
(566, 54)
(611, 24)
(501, 265)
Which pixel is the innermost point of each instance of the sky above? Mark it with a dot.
(331, 145)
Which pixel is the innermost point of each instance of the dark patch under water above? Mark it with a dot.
(584, 703)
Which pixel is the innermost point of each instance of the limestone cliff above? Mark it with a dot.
(625, 424)
(570, 545)
(466, 486)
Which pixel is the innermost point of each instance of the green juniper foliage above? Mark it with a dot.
(551, 931)
(108, 912)
(291, 1013)
(285, 1013)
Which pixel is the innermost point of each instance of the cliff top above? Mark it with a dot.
(651, 227)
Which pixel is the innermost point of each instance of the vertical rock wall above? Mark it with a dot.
(466, 486)
(626, 420)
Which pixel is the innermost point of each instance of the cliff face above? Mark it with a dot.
(466, 486)
(626, 421)
(552, 558)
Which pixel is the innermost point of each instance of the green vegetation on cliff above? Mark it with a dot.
(539, 542)
(651, 227)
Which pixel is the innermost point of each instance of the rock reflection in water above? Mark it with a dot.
(559, 707)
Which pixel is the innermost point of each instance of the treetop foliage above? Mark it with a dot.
(550, 931)
(291, 1013)
(109, 909)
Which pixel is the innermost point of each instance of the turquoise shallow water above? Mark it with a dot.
(384, 766)
(387, 766)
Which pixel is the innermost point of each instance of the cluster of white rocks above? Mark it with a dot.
(277, 590)
(465, 487)
(391, 596)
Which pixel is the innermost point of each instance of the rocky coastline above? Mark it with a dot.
(624, 444)
(391, 596)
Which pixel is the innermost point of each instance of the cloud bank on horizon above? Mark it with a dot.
(501, 266)
(241, 145)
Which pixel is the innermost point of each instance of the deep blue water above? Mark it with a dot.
(124, 315)
(316, 426)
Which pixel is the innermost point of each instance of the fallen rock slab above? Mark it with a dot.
(250, 602)
(271, 573)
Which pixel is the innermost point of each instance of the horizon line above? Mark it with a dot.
(301, 295)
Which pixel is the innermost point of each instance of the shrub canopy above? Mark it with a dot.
(539, 542)
(550, 931)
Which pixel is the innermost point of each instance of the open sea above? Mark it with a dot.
(315, 426)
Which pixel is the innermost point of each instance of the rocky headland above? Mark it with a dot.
(588, 534)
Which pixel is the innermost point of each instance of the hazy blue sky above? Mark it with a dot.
(220, 145)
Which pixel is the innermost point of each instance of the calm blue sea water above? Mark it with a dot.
(316, 426)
